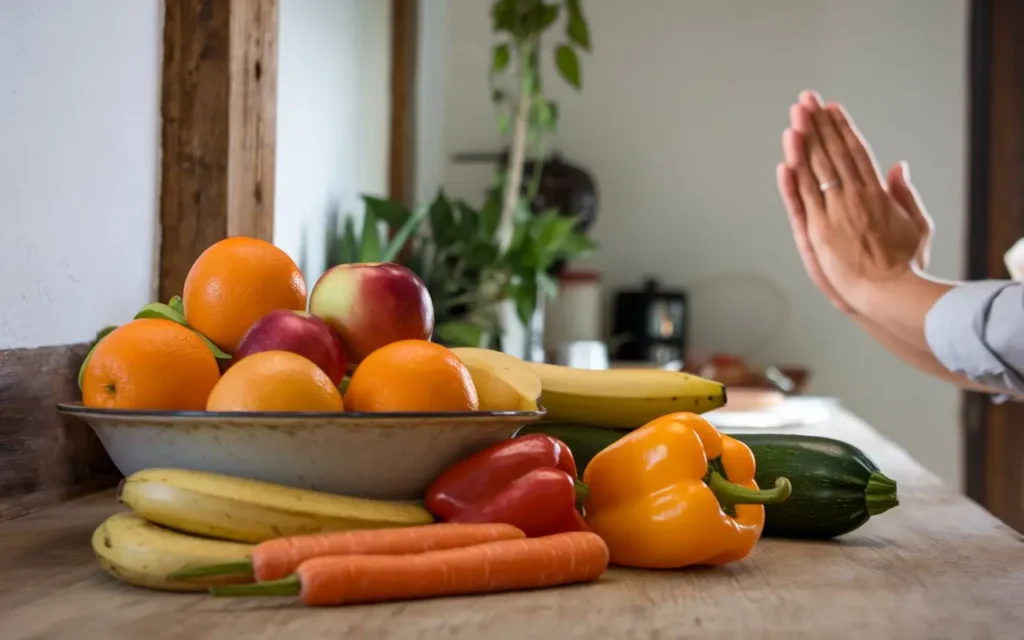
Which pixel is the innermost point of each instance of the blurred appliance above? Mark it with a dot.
(651, 324)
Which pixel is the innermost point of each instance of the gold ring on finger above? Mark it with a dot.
(825, 186)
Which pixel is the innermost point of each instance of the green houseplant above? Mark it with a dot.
(473, 257)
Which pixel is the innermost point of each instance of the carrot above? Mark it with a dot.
(277, 558)
(505, 565)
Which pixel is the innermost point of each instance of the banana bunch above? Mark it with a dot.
(617, 398)
(622, 398)
(180, 519)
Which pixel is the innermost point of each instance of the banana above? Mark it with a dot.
(503, 382)
(141, 553)
(627, 398)
(220, 506)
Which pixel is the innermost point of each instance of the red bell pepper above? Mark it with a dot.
(529, 482)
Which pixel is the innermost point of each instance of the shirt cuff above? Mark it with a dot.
(956, 329)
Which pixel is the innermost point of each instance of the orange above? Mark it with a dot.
(234, 283)
(411, 375)
(274, 381)
(150, 364)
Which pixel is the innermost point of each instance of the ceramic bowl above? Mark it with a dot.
(385, 456)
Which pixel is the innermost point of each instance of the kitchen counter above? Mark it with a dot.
(936, 566)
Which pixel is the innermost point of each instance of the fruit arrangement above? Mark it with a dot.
(244, 336)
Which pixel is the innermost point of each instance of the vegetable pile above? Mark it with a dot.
(556, 505)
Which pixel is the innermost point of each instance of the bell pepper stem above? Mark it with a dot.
(240, 567)
(729, 493)
(289, 586)
(582, 492)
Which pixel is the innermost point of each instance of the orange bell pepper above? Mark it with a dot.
(675, 493)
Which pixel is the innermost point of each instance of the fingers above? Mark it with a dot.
(807, 186)
(787, 184)
(831, 141)
(821, 165)
(859, 151)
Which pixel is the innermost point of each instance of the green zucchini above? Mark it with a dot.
(836, 486)
(584, 442)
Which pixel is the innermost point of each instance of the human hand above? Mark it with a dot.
(854, 233)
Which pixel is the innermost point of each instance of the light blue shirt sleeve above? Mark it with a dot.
(977, 330)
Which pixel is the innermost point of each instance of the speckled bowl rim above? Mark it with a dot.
(469, 418)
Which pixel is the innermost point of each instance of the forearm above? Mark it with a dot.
(969, 333)
(900, 308)
(921, 359)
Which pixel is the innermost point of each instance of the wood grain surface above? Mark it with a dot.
(218, 132)
(938, 566)
(45, 458)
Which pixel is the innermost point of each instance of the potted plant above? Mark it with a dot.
(478, 260)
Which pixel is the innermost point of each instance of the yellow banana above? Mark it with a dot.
(141, 553)
(231, 508)
(503, 382)
(627, 398)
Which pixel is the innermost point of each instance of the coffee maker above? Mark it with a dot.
(651, 325)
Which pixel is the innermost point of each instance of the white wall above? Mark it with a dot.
(79, 165)
(680, 119)
(333, 116)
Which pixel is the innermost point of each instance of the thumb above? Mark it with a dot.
(901, 189)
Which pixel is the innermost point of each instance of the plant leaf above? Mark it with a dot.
(548, 236)
(568, 64)
(102, 333)
(348, 248)
(546, 284)
(394, 214)
(217, 353)
(490, 215)
(161, 311)
(526, 300)
(578, 245)
(546, 16)
(177, 304)
(442, 221)
(576, 28)
(500, 58)
(370, 247)
(460, 333)
(403, 234)
(505, 17)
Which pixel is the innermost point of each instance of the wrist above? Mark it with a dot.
(900, 304)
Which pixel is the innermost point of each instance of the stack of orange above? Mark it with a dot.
(160, 364)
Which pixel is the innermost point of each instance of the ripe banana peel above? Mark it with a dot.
(503, 382)
(616, 398)
(230, 508)
(141, 553)
(622, 398)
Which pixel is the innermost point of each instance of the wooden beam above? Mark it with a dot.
(404, 42)
(218, 133)
(994, 439)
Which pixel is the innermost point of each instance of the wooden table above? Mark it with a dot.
(938, 566)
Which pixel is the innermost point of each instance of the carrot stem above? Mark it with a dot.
(240, 567)
(289, 586)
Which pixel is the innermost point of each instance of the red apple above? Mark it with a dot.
(297, 332)
(372, 304)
